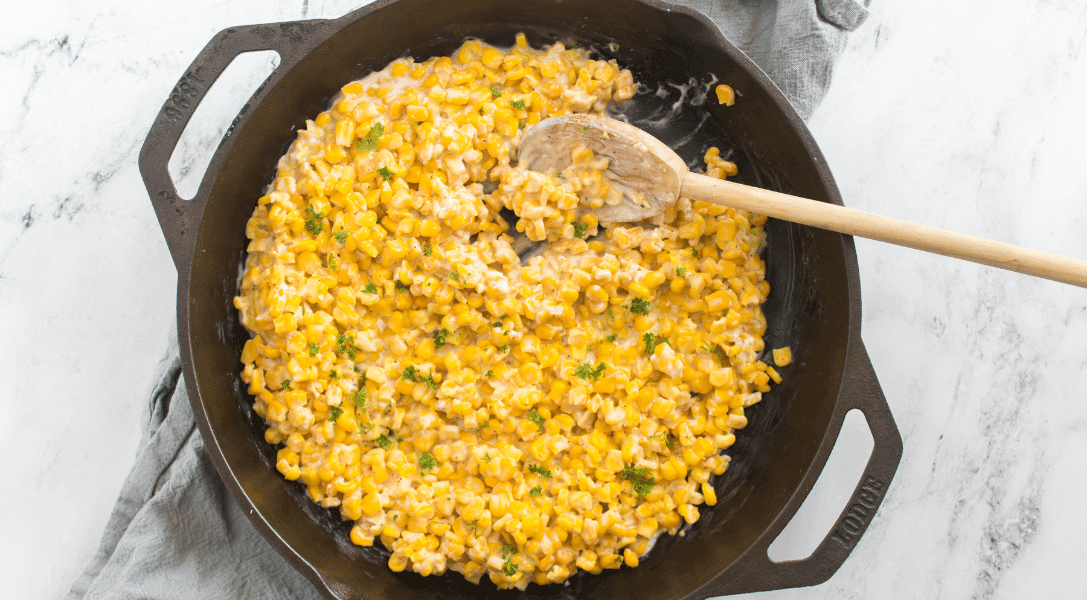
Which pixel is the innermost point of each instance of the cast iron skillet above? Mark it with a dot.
(814, 305)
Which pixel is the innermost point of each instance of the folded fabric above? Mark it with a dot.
(175, 532)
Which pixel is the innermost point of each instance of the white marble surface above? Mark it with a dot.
(959, 115)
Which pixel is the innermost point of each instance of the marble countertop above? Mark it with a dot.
(957, 115)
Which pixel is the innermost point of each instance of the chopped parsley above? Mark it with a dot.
(639, 478)
(612, 337)
(495, 91)
(560, 176)
(542, 472)
(652, 341)
(485, 424)
(536, 491)
(427, 462)
(474, 525)
(454, 276)
(681, 271)
(345, 344)
(509, 569)
(520, 125)
(335, 413)
(508, 550)
(401, 287)
(367, 427)
(580, 229)
(534, 416)
(504, 347)
(369, 143)
(371, 288)
(333, 263)
(384, 442)
(313, 220)
(442, 338)
(385, 173)
(496, 324)
(414, 375)
(429, 380)
(694, 252)
(716, 351)
(341, 236)
(361, 396)
(312, 349)
(518, 104)
(286, 384)
(489, 374)
(586, 371)
(609, 313)
(333, 374)
(427, 250)
(639, 306)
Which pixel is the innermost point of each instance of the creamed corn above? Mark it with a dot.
(515, 420)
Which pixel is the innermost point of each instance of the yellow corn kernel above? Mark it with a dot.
(726, 95)
(783, 356)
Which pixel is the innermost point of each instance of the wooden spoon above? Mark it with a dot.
(651, 178)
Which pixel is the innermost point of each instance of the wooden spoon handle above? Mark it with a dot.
(885, 229)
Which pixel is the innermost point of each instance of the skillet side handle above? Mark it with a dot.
(755, 572)
(179, 218)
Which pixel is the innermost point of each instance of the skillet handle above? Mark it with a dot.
(754, 571)
(180, 218)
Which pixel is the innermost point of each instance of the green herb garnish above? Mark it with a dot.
(384, 442)
(312, 348)
(681, 271)
(536, 491)
(640, 479)
(427, 462)
(313, 220)
(483, 426)
(385, 173)
(612, 337)
(370, 288)
(652, 341)
(333, 374)
(442, 338)
(341, 236)
(716, 351)
(286, 384)
(518, 104)
(489, 374)
(542, 472)
(580, 229)
(369, 143)
(334, 413)
(534, 416)
(401, 287)
(639, 306)
(345, 344)
(495, 91)
(586, 371)
(427, 250)
(409, 374)
(474, 525)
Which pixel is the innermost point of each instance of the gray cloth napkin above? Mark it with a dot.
(175, 532)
